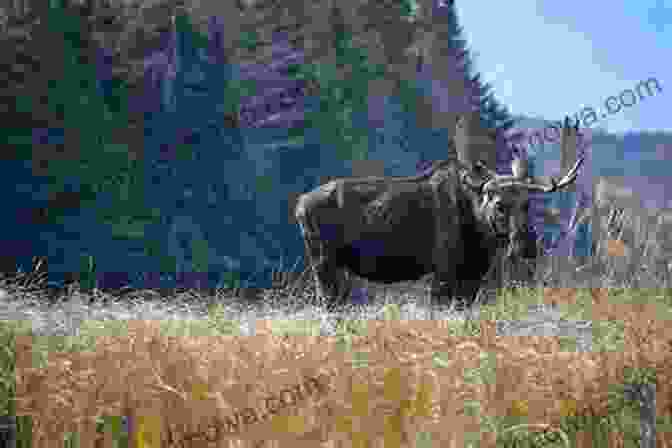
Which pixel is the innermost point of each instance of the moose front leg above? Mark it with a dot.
(447, 289)
(448, 247)
(444, 282)
(466, 288)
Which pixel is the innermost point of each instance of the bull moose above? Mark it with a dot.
(452, 221)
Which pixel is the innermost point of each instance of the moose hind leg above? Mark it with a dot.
(332, 282)
(322, 266)
(442, 289)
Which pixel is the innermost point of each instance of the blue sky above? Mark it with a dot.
(563, 56)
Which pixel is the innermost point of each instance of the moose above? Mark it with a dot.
(452, 220)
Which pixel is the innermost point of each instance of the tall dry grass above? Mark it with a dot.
(627, 304)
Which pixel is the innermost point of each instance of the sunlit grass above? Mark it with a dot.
(75, 324)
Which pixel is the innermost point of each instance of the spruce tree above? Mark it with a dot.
(452, 60)
(67, 116)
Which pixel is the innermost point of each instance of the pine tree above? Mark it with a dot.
(493, 114)
(195, 136)
(62, 121)
(341, 104)
(452, 60)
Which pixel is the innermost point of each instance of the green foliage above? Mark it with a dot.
(167, 263)
(342, 98)
(218, 321)
(231, 280)
(113, 424)
(264, 184)
(199, 254)
(392, 312)
(493, 114)
(237, 89)
(408, 95)
(96, 158)
(409, 8)
(87, 272)
(184, 152)
(8, 332)
(249, 40)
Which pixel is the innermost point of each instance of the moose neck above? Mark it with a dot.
(478, 223)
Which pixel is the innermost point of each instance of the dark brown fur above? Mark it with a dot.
(388, 230)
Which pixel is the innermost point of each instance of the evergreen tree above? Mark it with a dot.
(342, 103)
(454, 61)
(493, 114)
(63, 122)
(207, 178)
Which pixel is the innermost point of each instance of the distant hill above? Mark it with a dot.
(641, 161)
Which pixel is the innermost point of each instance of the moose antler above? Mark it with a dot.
(520, 177)
(547, 185)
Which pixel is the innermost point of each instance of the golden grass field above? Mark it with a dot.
(218, 370)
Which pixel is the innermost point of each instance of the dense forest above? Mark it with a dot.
(168, 140)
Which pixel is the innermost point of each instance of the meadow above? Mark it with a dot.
(287, 337)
